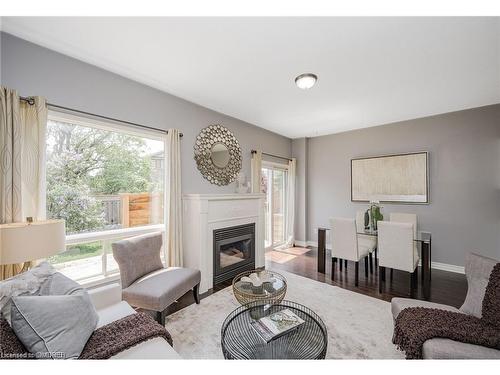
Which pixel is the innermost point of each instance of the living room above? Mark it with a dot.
(250, 187)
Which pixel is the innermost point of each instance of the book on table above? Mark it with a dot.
(276, 324)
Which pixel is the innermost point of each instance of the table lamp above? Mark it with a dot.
(24, 242)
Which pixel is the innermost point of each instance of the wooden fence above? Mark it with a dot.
(132, 209)
(111, 208)
(141, 209)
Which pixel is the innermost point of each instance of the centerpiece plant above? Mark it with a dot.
(375, 214)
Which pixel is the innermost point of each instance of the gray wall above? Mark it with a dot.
(464, 154)
(299, 151)
(34, 70)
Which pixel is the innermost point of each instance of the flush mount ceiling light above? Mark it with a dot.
(306, 81)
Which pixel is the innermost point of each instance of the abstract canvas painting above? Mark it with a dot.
(392, 178)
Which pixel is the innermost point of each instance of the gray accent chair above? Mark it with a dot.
(477, 270)
(146, 284)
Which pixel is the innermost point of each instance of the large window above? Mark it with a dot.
(107, 182)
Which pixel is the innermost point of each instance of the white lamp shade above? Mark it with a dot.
(23, 242)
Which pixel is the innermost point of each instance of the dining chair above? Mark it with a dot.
(405, 218)
(348, 246)
(396, 250)
(360, 226)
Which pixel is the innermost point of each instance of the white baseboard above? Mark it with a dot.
(300, 243)
(448, 267)
(315, 244)
(434, 265)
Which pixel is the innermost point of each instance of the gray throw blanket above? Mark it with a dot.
(415, 325)
(104, 343)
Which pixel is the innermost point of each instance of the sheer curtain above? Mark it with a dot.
(290, 207)
(256, 170)
(22, 162)
(173, 205)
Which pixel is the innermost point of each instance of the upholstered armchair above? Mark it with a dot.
(145, 282)
(477, 270)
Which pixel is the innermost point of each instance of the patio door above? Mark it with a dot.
(274, 185)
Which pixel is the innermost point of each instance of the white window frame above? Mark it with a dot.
(86, 237)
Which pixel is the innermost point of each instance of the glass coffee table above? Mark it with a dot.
(240, 341)
(271, 292)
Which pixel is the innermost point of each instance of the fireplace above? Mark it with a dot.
(234, 251)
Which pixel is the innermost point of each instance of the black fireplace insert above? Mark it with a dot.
(234, 251)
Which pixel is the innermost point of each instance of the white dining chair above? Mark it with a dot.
(400, 217)
(396, 250)
(405, 218)
(372, 240)
(346, 245)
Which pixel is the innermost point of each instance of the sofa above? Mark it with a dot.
(108, 302)
(477, 271)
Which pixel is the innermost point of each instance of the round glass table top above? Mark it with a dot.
(239, 340)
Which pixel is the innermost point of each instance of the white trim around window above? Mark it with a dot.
(75, 239)
(106, 237)
(106, 278)
(82, 120)
(273, 164)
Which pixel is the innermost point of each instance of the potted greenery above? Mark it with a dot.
(375, 214)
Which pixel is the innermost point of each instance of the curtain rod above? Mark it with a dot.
(31, 101)
(274, 156)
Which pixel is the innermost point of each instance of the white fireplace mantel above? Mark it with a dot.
(203, 213)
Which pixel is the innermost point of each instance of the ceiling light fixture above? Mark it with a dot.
(306, 81)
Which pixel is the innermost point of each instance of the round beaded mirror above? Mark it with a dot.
(218, 155)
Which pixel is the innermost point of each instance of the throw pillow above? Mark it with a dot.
(56, 327)
(26, 283)
(58, 285)
(478, 270)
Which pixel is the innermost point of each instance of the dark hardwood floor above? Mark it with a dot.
(446, 287)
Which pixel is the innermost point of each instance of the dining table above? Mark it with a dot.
(423, 239)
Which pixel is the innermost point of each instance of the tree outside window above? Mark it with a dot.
(98, 178)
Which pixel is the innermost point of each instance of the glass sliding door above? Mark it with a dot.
(278, 205)
(273, 184)
(266, 188)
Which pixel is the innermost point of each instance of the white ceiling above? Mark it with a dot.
(371, 71)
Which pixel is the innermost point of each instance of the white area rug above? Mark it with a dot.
(358, 326)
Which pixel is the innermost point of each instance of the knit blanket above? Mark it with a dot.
(104, 343)
(121, 335)
(415, 325)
